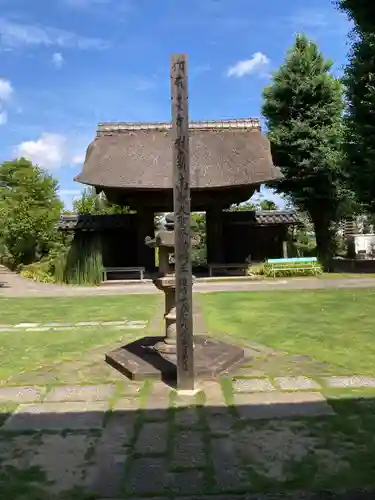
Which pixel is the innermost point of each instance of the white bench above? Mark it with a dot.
(242, 267)
(106, 270)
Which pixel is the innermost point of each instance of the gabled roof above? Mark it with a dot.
(223, 153)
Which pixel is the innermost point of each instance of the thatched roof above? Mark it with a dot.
(139, 156)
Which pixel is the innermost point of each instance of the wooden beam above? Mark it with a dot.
(181, 204)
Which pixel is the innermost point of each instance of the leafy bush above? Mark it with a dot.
(38, 271)
(293, 269)
(256, 269)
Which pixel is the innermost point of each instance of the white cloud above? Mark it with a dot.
(6, 89)
(48, 151)
(58, 60)
(14, 34)
(3, 117)
(78, 159)
(256, 64)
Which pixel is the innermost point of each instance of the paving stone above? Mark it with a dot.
(109, 474)
(297, 383)
(57, 324)
(354, 382)
(220, 423)
(213, 394)
(188, 449)
(87, 323)
(187, 482)
(57, 416)
(39, 329)
(130, 327)
(229, 471)
(63, 328)
(81, 393)
(282, 405)
(26, 325)
(126, 405)
(247, 371)
(112, 323)
(20, 394)
(152, 438)
(130, 388)
(156, 408)
(253, 385)
(147, 475)
(119, 428)
(186, 416)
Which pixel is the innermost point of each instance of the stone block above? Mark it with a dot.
(187, 482)
(20, 394)
(57, 417)
(253, 385)
(297, 383)
(186, 416)
(152, 438)
(81, 393)
(147, 475)
(229, 473)
(355, 382)
(109, 474)
(282, 405)
(188, 449)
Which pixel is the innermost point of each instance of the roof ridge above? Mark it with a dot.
(241, 123)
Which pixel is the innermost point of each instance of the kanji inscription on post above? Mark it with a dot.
(181, 201)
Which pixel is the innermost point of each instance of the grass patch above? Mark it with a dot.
(331, 326)
(23, 351)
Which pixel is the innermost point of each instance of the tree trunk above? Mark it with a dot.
(325, 247)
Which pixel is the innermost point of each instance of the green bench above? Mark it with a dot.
(291, 264)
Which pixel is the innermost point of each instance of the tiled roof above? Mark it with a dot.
(226, 153)
(119, 221)
(276, 217)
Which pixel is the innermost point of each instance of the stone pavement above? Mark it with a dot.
(13, 285)
(123, 439)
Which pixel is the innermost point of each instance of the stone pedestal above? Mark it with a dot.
(156, 357)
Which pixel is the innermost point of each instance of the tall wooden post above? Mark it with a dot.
(181, 202)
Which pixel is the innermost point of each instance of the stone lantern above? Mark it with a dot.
(166, 282)
(155, 357)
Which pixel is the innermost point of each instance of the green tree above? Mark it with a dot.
(96, 204)
(359, 80)
(267, 205)
(29, 210)
(303, 108)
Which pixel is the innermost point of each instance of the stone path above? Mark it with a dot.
(13, 285)
(85, 325)
(123, 439)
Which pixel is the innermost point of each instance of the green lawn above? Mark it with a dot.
(333, 326)
(22, 350)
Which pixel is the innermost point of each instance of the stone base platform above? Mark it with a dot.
(139, 361)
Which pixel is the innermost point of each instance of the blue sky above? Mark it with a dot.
(66, 65)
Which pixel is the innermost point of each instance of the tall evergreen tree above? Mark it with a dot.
(303, 107)
(359, 82)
